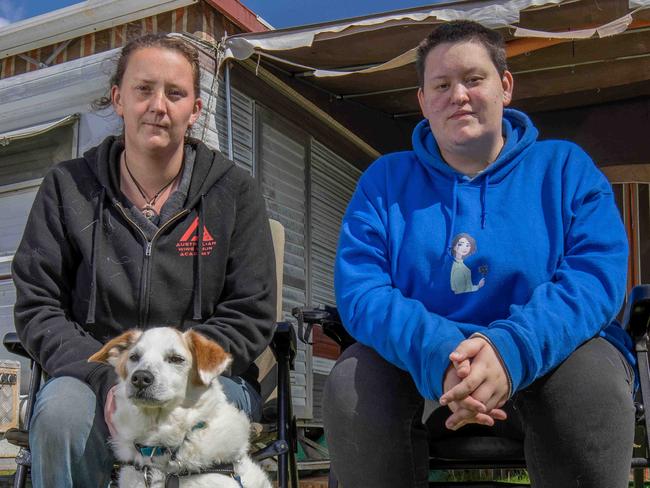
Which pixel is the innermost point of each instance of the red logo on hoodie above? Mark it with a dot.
(188, 244)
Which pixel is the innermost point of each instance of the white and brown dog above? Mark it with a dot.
(173, 425)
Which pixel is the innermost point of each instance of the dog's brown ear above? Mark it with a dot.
(210, 360)
(114, 348)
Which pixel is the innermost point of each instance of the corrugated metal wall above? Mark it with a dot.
(243, 115)
(307, 188)
(282, 165)
(212, 127)
(333, 181)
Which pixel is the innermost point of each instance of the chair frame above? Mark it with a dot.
(283, 346)
(636, 322)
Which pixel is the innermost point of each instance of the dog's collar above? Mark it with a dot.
(152, 451)
(227, 469)
(172, 479)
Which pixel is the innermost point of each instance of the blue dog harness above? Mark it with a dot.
(172, 479)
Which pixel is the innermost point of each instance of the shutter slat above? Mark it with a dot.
(333, 181)
(282, 162)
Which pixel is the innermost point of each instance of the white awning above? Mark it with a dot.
(36, 130)
(279, 46)
(491, 14)
(562, 52)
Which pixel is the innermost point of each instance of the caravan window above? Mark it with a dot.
(25, 157)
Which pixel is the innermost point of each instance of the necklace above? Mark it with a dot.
(149, 210)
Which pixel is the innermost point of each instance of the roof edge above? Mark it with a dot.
(78, 20)
(241, 15)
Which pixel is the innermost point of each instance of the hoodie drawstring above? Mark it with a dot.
(454, 210)
(92, 301)
(484, 192)
(197, 279)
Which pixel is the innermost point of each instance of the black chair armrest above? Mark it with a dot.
(636, 318)
(328, 319)
(13, 345)
(335, 331)
(284, 343)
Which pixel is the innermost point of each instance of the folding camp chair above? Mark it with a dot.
(283, 348)
(469, 453)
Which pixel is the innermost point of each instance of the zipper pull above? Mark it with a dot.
(147, 249)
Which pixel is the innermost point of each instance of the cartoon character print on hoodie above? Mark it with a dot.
(548, 230)
(88, 267)
(463, 246)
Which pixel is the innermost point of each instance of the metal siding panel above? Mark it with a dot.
(242, 125)
(243, 109)
(333, 181)
(282, 162)
(211, 119)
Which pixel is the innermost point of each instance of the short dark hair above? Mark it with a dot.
(462, 31)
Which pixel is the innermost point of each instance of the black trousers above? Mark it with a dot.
(576, 423)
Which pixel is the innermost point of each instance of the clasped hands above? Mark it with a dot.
(475, 385)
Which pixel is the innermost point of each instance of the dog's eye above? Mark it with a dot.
(176, 359)
(134, 356)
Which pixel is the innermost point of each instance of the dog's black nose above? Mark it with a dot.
(141, 379)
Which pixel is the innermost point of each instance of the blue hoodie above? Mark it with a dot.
(531, 254)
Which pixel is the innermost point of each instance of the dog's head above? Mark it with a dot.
(159, 365)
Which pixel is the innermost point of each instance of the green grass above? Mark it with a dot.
(496, 475)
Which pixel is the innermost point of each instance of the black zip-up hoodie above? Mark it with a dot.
(85, 272)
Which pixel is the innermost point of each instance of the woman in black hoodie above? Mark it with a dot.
(148, 229)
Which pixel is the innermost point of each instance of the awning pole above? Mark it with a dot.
(231, 150)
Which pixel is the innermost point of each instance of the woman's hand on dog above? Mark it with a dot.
(109, 410)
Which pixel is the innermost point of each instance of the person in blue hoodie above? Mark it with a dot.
(481, 271)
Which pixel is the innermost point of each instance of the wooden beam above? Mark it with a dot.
(628, 173)
(593, 76)
(528, 45)
(574, 15)
(583, 98)
(629, 43)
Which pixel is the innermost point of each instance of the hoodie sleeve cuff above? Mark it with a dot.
(435, 367)
(510, 353)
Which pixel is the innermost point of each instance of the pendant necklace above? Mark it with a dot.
(149, 210)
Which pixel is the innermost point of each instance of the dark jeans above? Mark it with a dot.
(576, 423)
